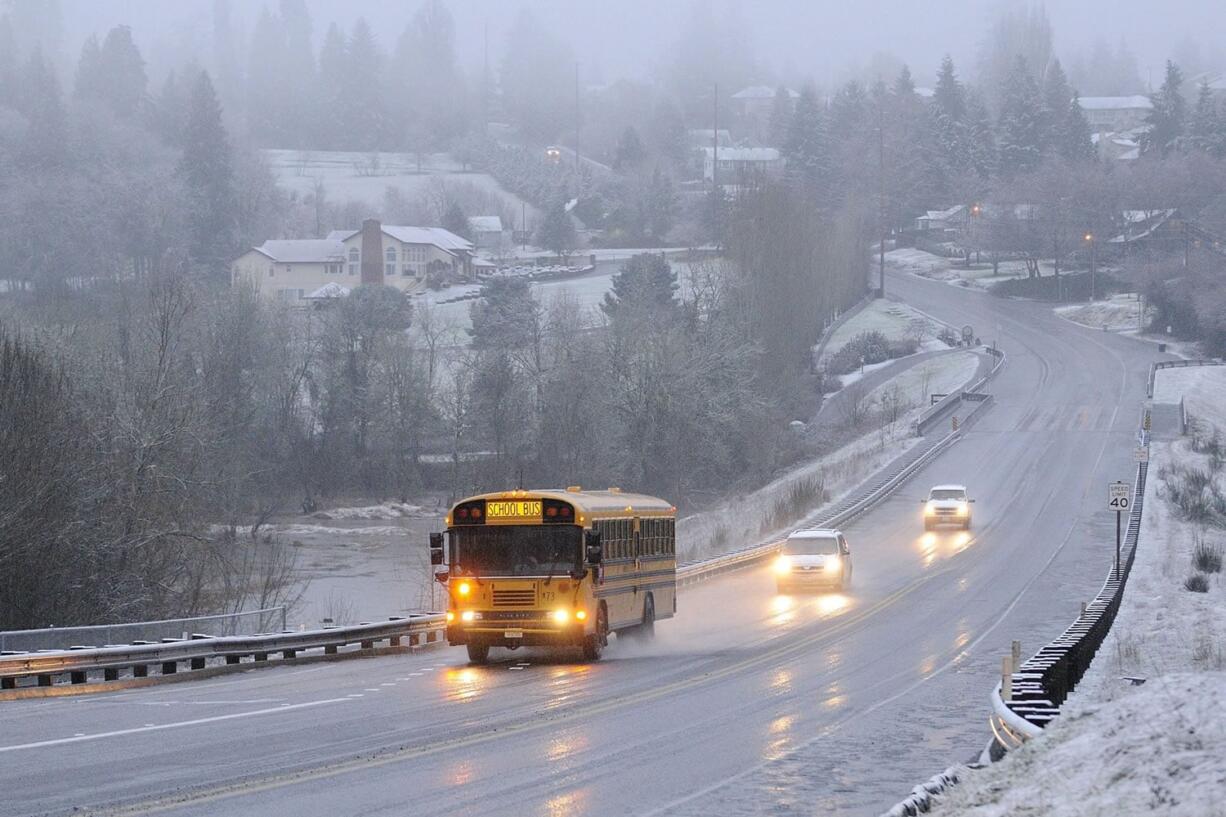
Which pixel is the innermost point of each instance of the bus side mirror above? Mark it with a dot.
(595, 553)
(436, 549)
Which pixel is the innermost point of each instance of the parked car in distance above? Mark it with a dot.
(947, 505)
(814, 558)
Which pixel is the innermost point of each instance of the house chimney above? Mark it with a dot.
(372, 252)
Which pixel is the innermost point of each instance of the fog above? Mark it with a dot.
(793, 39)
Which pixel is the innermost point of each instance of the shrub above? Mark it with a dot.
(948, 336)
(1195, 493)
(871, 347)
(1207, 558)
(803, 496)
(1197, 583)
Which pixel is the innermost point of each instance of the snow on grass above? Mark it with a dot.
(387, 510)
(1122, 749)
(1160, 750)
(978, 274)
(747, 519)
(897, 321)
(365, 177)
(1120, 313)
(295, 530)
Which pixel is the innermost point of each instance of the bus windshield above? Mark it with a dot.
(517, 550)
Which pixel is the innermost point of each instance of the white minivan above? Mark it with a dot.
(815, 558)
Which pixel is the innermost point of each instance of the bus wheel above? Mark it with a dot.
(478, 653)
(593, 645)
(647, 630)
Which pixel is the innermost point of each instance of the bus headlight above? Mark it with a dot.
(450, 616)
(467, 615)
(561, 616)
(783, 564)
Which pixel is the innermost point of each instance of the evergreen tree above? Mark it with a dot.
(1168, 119)
(949, 97)
(9, 73)
(661, 205)
(170, 110)
(505, 316)
(781, 117)
(425, 67)
(644, 283)
(557, 231)
(330, 102)
(981, 149)
(1056, 96)
(41, 102)
(454, 220)
(848, 112)
(667, 133)
(366, 123)
(1021, 121)
(629, 152)
(123, 83)
(298, 62)
(268, 116)
(904, 84)
(1207, 131)
(208, 177)
(1075, 142)
(88, 84)
(807, 148)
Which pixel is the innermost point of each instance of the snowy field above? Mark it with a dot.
(742, 521)
(1160, 747)
(895, 320)
(365, 177)
(939, 268)
(1120, 313)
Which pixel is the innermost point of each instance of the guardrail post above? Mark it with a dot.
(1015, 652)
(1006, 678)
(394, 641)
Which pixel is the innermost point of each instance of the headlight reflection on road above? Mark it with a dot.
(781, 681)
(561, 748)
(928, 548)
(464, 684)
(783, 609)
(781, 738)
(829, 604)
(565, 805)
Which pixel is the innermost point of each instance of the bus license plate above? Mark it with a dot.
(513, 634)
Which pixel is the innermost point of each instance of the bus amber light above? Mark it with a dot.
(581, 614)
(450, 616)
(464, 589)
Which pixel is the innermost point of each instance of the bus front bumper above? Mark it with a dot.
(530, 634)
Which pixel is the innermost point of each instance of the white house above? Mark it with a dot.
(290, 269)
(740, 166)
(757, 101)
(488, 233)
(295, 269)
(1115, 114)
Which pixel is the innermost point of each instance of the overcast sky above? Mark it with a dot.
(818, 38)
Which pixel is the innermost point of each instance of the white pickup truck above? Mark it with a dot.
(947, 505)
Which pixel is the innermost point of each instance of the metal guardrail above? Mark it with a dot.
(932, 415)
(63, 638)
(1039, 687)
(109, 663)
(1177, 364)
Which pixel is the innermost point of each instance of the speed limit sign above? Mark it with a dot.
(1118, 496)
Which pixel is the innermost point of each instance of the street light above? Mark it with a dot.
(1089, 237)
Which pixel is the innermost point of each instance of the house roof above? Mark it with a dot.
(762, 92)
(485, 224)
(435, 236)
(744, 154)
(1115, 103)
(303, 250)
(942, 215)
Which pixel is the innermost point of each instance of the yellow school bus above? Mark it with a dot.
(556, 567)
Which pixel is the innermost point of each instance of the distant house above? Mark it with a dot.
(290, 269)
(740, 166)
(488, 233)
(705, 137)
(953, 218)
(1115, 114)
(299, 270)
(757, 101)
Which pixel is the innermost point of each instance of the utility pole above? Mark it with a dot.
(881, 193)
(717, 198)
(576, 126)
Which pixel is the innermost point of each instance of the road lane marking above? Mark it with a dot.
(149, 727)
